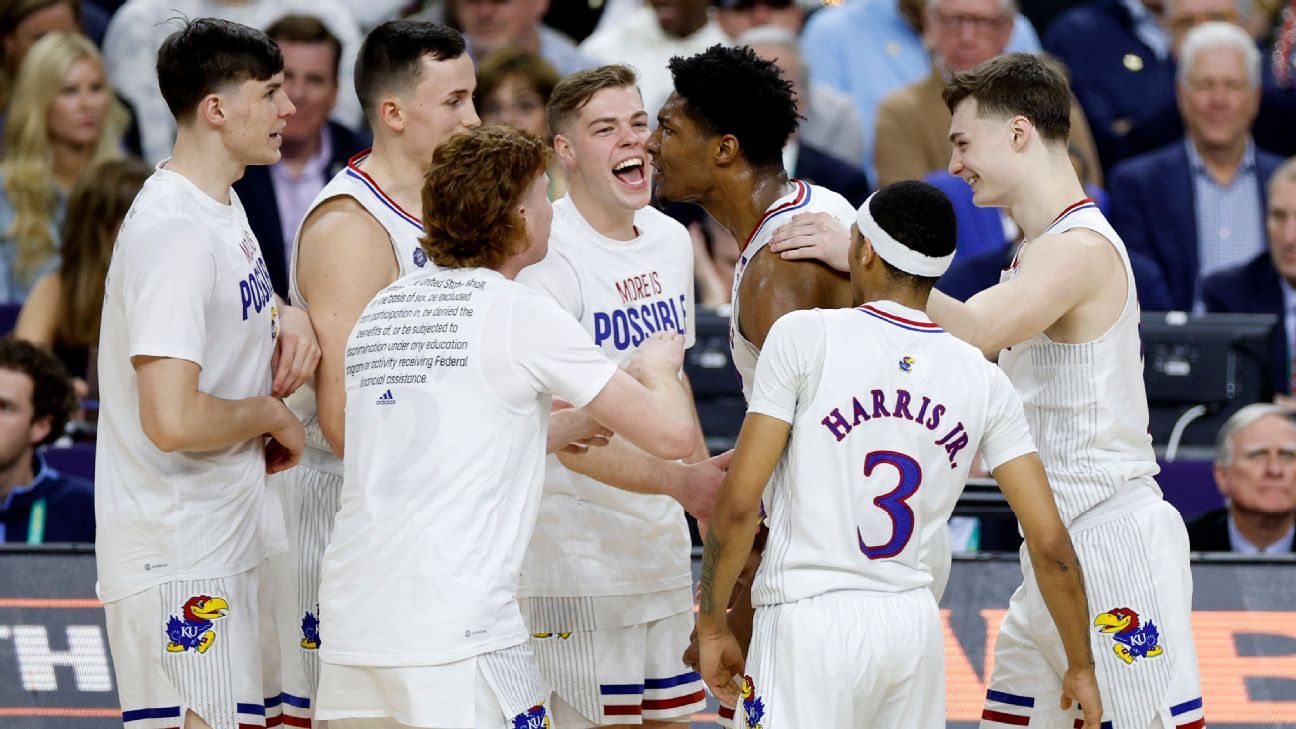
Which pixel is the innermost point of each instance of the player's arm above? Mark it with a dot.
(621, 465)
(176, 416)
(773, 287)
(345, 259)
(1057, 570)
(729, 543)
(650, 408)
(1055, 275)
(296, 352)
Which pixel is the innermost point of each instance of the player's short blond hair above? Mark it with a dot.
(575, 91)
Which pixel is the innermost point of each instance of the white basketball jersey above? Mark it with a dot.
(403, 230)
(1086, 403)
(448, 382)
(804, 198)
(888, 413)
(593, 539)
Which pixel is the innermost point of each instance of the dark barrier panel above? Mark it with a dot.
(55, 670)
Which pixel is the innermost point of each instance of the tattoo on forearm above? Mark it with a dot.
(706, 591)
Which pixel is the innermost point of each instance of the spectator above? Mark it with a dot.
(1267, 284)
(1255, 469)
(869, 48)
(37, 503)
(1216, 168)
(22, 23)
(62, 118)
(62, 312)
(830, 126)
(914, 121)
(489, 25)
(739, 16)
(139, 27)
(513, 87)
(314, 148)
(649, 38)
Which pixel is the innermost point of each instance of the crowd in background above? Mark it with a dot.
(1182, 130)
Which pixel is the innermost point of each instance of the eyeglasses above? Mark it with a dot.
(979, 23)
(1188, 21)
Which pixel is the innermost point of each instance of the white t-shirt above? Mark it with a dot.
(804, 198)
(404, 231)
(888, 412)
(448, 380)
(186, 281)
(593, 539)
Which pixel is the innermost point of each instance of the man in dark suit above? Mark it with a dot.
(314, 149)
(1197, 206)
(1255, 469)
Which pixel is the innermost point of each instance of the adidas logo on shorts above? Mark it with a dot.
(387, 398)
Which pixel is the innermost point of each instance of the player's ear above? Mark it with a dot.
(212, 110)
(726, 150)
(1019, 127)
(391, 113)
(563, 148)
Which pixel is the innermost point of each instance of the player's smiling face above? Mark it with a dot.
(604, 150)
(678, 148)
(982, 149)
(255, 115)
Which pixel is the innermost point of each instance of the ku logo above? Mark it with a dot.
(906, 364)
(536, 717)
(310, 630)
(274, 323)
(194, 630)
(542, 636)
(420, 258)
(1133, 639)
(753, 706)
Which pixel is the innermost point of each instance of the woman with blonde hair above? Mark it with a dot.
(62, 118)
(62, 313)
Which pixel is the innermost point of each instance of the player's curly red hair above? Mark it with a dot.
(471, 196)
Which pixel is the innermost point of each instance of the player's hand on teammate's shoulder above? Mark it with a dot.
(701, 483)
(662, 352)
(1081, 685)
(286, 441)
(296, 353)
(816, 236)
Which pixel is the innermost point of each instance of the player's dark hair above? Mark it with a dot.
(734, 91)
(921, 217)
(390, 58)
(205, 55)
(306, 29)
(1016, 84)
(52, 393)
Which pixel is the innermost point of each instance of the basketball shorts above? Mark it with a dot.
(310, 498)
(845, 659)
(622, 675)
(1139, 587)
(204, 646)
(497, 690)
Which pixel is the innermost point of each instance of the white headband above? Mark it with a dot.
(896, 253)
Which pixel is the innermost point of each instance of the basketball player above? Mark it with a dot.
(610, 623)
(1065, 321)
(847, 630)
(192, 366)
(449, 377)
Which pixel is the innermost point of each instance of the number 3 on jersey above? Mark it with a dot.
(893, 503)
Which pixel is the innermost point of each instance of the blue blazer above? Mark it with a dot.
(256, 192)
(820, 168)
(1253, 288)
(1154, 210)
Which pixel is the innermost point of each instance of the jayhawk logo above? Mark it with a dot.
(194, 631)
(274, 323)
(310, 630)
(906, 363)
(753, 705)
(1133, 639)
(542, 636)
(536, 717)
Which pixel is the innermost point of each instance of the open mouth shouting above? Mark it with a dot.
(630, 172)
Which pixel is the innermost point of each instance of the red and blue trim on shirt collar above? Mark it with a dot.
(926, 327)
(798, 201)
(353, 170)
(1084, 204)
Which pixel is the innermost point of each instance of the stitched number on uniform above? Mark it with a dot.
(893, 502)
